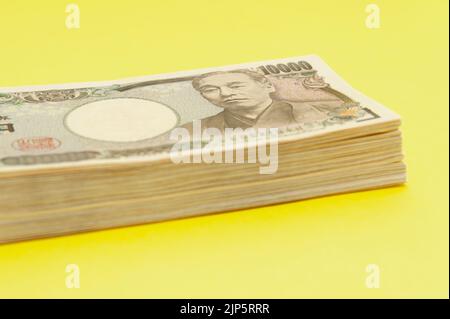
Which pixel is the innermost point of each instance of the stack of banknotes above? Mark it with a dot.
(80, 157)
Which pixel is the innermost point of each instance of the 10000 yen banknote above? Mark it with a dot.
(130, 119)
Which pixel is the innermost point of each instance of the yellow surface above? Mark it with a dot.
(313, 248)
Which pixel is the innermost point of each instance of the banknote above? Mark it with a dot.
(131, 119)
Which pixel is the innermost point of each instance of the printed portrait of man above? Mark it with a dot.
(247, 100)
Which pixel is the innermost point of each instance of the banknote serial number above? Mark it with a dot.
(230, 309)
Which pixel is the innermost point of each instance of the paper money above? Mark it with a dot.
(129, 119)
(88, 156)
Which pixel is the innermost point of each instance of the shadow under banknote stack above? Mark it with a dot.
(89, 156)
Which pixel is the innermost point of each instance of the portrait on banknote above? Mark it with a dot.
(250, 99)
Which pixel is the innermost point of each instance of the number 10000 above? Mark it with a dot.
(285, 68)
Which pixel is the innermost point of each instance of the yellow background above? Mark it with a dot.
(313, 248)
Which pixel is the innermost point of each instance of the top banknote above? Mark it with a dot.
(131, 120)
